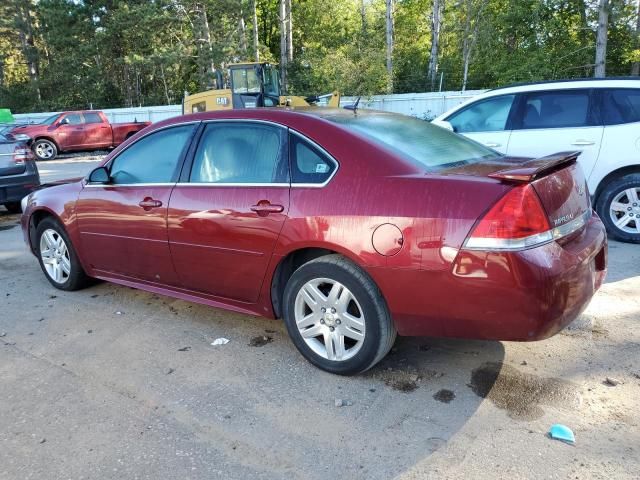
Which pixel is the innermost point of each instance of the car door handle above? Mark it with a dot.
(492, 145)
(583, 143)
(264, 208)
(148, 203)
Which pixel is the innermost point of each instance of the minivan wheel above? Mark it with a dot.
(44, 149)
(619, 208)
(336, 316)
(57, 258)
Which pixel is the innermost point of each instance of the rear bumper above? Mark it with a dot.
(13, 188)
(522, 296)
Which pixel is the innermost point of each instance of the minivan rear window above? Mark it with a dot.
(425, 145)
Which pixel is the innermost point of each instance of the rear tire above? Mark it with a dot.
(618, 206)
(353, 332)
(13, 207)
(44, 149)
(58, 258)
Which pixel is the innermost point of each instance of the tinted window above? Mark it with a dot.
(308, 164)
(73, 118)
(556, 109)
(92, 118)
(418, 141)
(621, 106)
(152, 159)
(239, 153)
(483, 116)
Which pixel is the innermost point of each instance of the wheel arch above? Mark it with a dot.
(295, 258)
(36, 217)
(620, 172)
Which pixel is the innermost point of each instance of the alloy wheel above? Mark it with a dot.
(55, 256)
(44, 150)
(624, 210)
(329, 319)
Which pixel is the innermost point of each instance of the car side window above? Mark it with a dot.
(555, 109)
(308, 163)
(488, 115)
(244, 153)
(73, 119)
(154, 158)
(92, 118)
(621, 106)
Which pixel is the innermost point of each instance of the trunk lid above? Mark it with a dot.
(557, 180)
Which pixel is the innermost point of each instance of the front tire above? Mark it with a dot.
(619, 208)
(336, 316)
(44, 149)
(57, 257)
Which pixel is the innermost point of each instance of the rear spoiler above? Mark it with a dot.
(538, 167)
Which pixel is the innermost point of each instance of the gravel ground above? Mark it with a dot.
(111, 382)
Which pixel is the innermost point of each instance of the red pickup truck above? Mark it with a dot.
(73, 131)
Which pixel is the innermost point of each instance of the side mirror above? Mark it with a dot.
(99, 175)
(64, 121)
(444, 124)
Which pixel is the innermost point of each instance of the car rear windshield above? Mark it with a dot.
(420, 142)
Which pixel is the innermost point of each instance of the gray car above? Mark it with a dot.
(18, 172)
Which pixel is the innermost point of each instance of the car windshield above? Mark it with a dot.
(245, 80)
(422, 143)
(50, 120)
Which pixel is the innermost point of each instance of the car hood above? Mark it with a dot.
(31, 129)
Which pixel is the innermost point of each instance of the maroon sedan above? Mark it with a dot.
(349, 226)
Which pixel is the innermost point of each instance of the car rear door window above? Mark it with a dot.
(621, 106)
(488, 115)
(555, 109)
(92, 118)
(308, 163)
(240, 153)
(154, 158)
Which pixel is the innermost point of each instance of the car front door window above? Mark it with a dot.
(152, 159)
(488, 115)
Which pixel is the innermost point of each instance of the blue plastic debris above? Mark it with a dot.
(562, 433)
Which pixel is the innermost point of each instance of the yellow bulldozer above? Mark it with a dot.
(251, 85)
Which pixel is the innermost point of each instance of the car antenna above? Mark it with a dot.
(353, 106)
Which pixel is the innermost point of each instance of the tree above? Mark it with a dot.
(389, 39)
(436, 24)
(601, 39)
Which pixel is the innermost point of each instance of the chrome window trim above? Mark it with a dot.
(221, 184)
(509, 245)
(324, 152)
(114, 185)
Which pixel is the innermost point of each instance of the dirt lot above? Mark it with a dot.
(111, 382)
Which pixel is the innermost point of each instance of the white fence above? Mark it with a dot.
(421, 105)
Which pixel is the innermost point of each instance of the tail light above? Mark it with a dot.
(21, 154)
(515, 222)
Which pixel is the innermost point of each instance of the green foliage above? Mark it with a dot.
(113, 53)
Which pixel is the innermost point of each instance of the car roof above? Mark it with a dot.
(569, 84)
(596, 82)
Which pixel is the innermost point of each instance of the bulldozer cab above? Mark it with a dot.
(250, 85)
(254, 85)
